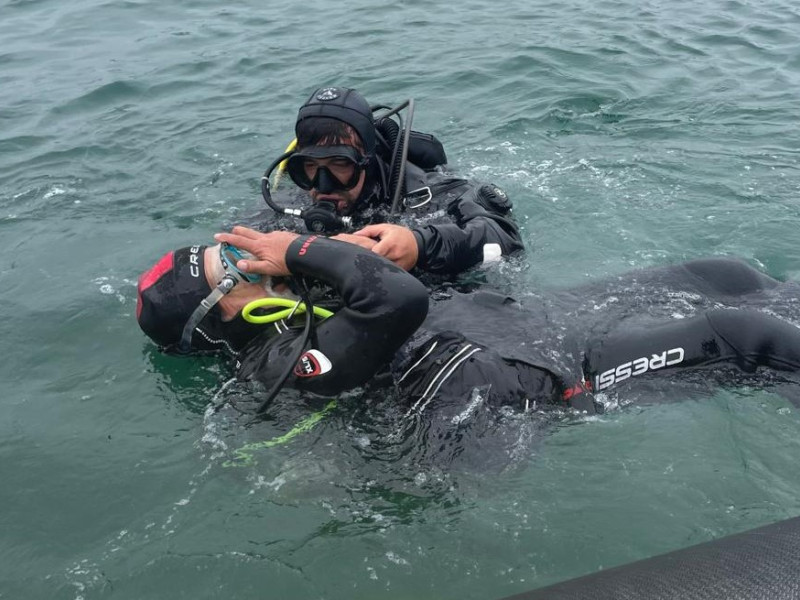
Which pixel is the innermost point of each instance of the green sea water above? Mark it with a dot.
(629, 134)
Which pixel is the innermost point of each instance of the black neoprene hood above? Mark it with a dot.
(169, 292)
(342, 104)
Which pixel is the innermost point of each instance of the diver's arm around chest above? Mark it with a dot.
(382, 306)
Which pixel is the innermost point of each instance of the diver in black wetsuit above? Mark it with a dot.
(384, 307)
(363, 171)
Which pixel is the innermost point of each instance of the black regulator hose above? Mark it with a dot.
(295, 212)
(303, 339)
(387, 131)
(389, 134)
(398, 170)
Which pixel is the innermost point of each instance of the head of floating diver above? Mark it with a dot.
(191, 299)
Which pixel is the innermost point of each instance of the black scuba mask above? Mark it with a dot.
(340, 171)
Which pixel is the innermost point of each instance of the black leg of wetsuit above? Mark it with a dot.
(715, 278)
(744, 338)
(758, 339)
(726, 277)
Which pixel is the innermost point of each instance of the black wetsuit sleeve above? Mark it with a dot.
(478, 224)
(746, 339)
(383, 306)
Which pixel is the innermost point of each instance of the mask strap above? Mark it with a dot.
(223, 288)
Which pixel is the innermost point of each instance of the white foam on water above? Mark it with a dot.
(55, 191)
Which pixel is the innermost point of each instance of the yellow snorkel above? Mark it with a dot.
(282, 166)
(291, 308)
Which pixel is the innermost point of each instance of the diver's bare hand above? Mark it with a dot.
(395, 242)
(358, 240)
(269, 248)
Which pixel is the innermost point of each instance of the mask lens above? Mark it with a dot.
(296, 169)
(343, 165)
(229, 256)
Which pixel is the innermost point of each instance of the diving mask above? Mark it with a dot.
(229, 256)
(327, 169)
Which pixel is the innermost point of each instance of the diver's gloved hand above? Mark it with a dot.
(322, 218)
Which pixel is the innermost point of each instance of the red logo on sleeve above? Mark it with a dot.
(306, 244)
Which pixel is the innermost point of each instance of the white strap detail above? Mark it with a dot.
(416, 364)
(456, 361)
(450, 372)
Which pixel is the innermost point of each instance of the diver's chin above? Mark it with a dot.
(277, 288)
(345, 207)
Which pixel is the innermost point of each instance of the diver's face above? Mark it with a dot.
(341, 169)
